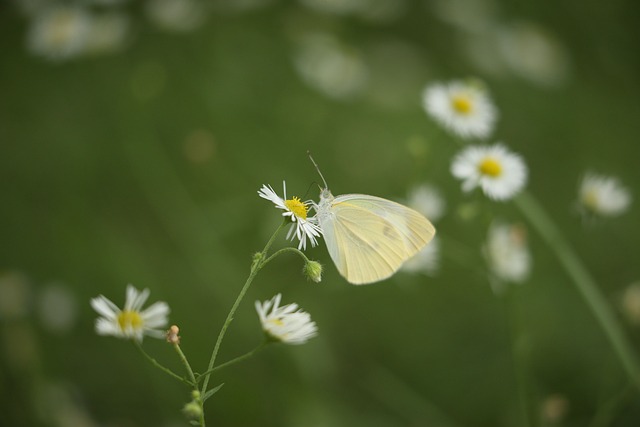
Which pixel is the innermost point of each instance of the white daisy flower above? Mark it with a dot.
(603, 195)
(131, 322)
(302, 227)
(286, 324)
(426, 261)
(428, 200)
(507, 253)
(60, 32)
(500, 173)
(462, 107)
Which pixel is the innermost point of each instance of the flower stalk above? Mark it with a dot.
(584, 282)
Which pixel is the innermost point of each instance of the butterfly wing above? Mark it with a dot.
(369, 238)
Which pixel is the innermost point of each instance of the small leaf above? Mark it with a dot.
(211, 392)
(194, 423)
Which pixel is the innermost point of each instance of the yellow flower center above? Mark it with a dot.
(590, 200)
(277, 322)
(296, 206)
(490, 167)
(462, 104)
(130, 319)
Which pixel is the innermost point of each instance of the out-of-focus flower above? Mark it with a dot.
(59, 32)
(286, 324)
(330, 67)
(554, 409)
(427, 200)
(533, 53)
(302, 227)
(426, 261)
(463, 107)
(131, 322)
(177, 15)
(631, 303)
(603, 195)
(57, 308)
(507, 253)
(500, 173)
(108, 33)
(338, 7)
(467, 15)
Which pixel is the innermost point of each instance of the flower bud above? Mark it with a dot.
(313, 271)
(172, 335)
(192, 410)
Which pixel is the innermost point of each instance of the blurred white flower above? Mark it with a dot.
(507, 252)
(500, 173)
(464, 108)
(427, 200)
(296, 210)
(131, 322)
(59, 32)
(108, 33)
(176, 15)
(338, 7)
(467, 15)
(631, 303)
(426, 261)
(286, 324)
(330, 67)
(533, 53)
(603, 195)
(57, 308)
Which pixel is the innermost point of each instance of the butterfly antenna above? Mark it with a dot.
(317, 168)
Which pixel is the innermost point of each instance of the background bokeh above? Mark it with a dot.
(138, 160)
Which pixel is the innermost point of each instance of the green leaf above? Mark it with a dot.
(211, 392)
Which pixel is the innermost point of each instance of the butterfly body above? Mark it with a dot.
(368, 237)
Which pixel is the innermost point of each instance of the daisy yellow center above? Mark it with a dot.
(296, 206)
(277, 322)
(461, 104)
(490, 167)
(130, 319)
(590, 199)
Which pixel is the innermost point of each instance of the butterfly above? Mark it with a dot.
(368, 237)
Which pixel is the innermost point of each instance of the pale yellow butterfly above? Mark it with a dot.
(368, 237)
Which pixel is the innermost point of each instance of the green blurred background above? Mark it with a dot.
(139, 163)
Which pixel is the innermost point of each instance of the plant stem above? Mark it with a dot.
(184, 360)
(162, 368)
(257, 265)
(283, 250)
(584, 282)
(237, 359)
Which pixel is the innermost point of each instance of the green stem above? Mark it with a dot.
(519, 350)
(185, 362)
(162, 368)
(236, 360)
(187, 365)
(257, 265)
(584, 282)
(283, 250)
